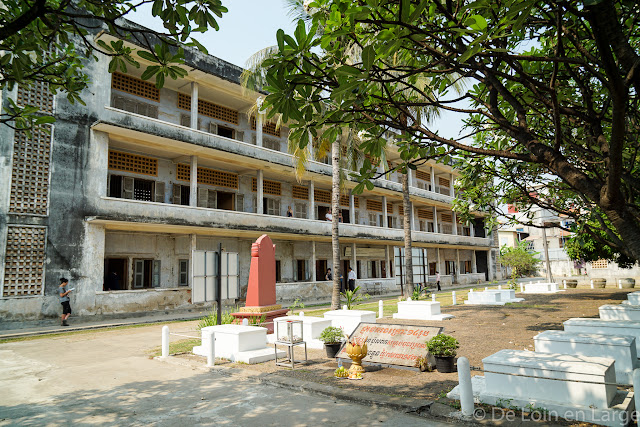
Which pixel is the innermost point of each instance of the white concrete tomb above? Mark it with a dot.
(540, 288)
(238, 343)
(420, 310)
(621, 348)
(348, 320)
(606, 327)
(492, 297)
(634, 298)
(620, 312)
(312, 327)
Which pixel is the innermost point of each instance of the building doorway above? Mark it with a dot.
(115, 274)
(321, 270)
(345, 216)
(225, 201)
(322, 212)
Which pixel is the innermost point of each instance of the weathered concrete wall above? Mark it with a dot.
(320, 292)
(141, 300)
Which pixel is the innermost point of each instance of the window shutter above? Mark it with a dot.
(255, 205)
(240, 135)
(118, 102)
(239, 202)
(203, 197)
(159, 192)
(213, 128)
(109, 185)
(176, 193)
(155, 281)
(127, 187)
(138, 274)
(185, 120)
(212, 200)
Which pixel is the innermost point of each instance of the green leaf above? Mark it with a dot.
(368, 56)
(476, 22)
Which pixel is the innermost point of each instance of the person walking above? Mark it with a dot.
(351, 277)
(438, 280)
(64, 300)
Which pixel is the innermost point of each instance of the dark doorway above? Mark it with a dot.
(321, 270)
(115, 274)
(226, 132)
(302, 270)
(225, 201)
(345, 216)
(322, 212)
(478, 227)
(390, 221)
(481, 263)
(345, 274)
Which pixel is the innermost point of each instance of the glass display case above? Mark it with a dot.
(289, 331)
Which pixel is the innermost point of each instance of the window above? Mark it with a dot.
(226, 132)
(450, 267)
(134, 106)
(300, 270)
(24, 261)
(467, 267)
(146, 273)
(181, 194)
(300, 210)
(278, 271)
(143, 190)
(272, 206)
(271, 144)
(419, 259)
(240, 202)
(207, 198)
(432, 268)
(372, 269)
(561, 242)
(125, 187)
(373, 219)
(183, 272)
(601, 263)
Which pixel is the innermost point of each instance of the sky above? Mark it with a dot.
(251, 25)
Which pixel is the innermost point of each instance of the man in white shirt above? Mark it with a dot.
(328, 216)
(352, 279)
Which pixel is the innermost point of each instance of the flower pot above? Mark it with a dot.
(627, 283)
(445, 364)
(599, 283)
(332, 349)
(356, 353)
(572, 283)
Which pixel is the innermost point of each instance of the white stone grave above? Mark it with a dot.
(606, 327)
(633, 298)
(620, 312)
(348, 320)
(493, 297)
(238, 343)
(541, 288)
(312, 327)
(621, 348)
(552, 381)
(420, 310)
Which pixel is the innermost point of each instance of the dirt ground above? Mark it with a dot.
(481, 331)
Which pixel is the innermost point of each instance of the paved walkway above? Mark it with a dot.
(106, 378)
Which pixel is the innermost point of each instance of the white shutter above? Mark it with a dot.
(138, 273)
(213, 128)
(177, 189)
(203, 197)
(212, 199)
(159, 192)
(127, 187)
(155, 279)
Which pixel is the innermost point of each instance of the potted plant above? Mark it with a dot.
(332, 339)
(443, 347)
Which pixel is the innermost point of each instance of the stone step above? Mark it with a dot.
(620, 312)
(634, 298)
(621, 348)
(606, 327)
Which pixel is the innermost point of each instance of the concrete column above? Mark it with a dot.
(410, 177)
(455, 223)
(433, 179)
(474, 266)
(490, 265)
(453, 194)
(385, 222)
(386, 262)
(414, 218)
(472, 231)
(193, 248)
(194, 105)
(354, 260)
(259, 118)
(97, 166)
(458, 270)
(259, 192)
(435, 220)
(438, 266)
(313, 261)
(312, 205)
(193, 181)
(352, 208)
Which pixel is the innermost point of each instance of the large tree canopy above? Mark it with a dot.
(46, 42)
(551, 105)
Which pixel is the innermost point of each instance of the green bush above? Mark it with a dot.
(443, 345)
(331, 335)
(211, 319)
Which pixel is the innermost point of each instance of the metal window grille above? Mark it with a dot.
(135, 86)
(24, 261)
(36, 94)
(30, 171)
(183, 172)
(133, 163)
(300, 192)
(425, 214)
(425, 176)
(374, 205)
(209, 109)
(268, 187)
(207, 176)
(443, 182)
(389, 208)
(322, 196)
(344, 201)
(601, 263)
(446, 217)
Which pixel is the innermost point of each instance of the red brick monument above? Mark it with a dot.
(261, 304)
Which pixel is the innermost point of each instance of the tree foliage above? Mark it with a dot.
(551, 105)
(522, 262)
(47, 41)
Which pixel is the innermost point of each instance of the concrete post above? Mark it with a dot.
(211, 354)
(352, 208)
(453, 298)
(466, 391)
(636, 384)
(564, 284)
(380, 309)
(245, 322)
(354, 260)
(619, 284)
(312, 204)
(301, 314)
(499, 287)
(385, 222)
(414, 218)
(165, 341)
(486, 288)
(453, 191)
(458, 266)
(410, 175)
(259, 122)
(314, 273)
(433, 297)
(454, 217)
(193, 182)
(521, 288)
(194, 105)
(259, 193)
(474, 266)
(435, 220)
(438, 266)
(386, 262)
(591, 284)
(433, 180)
(471, 229)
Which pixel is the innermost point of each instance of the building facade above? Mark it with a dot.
(119, 194)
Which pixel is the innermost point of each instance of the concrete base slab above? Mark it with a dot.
(620, 312)
(617, 415)
(436, 317)
(420, 310)
(250, 357)
(468, 302)
(541, 288)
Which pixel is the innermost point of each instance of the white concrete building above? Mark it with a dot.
(124, 190)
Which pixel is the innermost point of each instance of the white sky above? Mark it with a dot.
(251, 25)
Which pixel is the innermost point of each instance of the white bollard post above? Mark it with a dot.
(499, 287)
(453, 298)
(211, 355)
(165, 341)
(466, 391)
(592, 284)
(471, 290)
(245, 322)
(636, 384)
(619, 283)
(380, 309)
(521, 287)
(302, 314)
(344, 307)
(433, 297)
(564, 284)
(486, 288)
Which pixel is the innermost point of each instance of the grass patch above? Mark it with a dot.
(176, 347)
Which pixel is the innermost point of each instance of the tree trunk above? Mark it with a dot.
(335, 236)
(408, 256)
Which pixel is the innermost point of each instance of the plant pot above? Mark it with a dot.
(332, 349)
(572, 283)
(599, 283)
(445, 364)
(627, 283)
